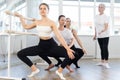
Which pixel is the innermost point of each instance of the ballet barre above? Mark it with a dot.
(19, 33)
(8, 33)
(17, 14)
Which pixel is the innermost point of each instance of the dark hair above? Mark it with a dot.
(60, 17)
(69, 19)
(44, 4)
(64, 26)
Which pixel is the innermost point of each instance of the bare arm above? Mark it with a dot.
(23, 22)
(105, 28)
(94, 38)
(62, 41)
(79, 41)
(71, 43)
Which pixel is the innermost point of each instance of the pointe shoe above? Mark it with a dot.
(34, 73)
(50, 67)
(60, 75)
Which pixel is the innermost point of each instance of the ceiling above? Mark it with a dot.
(10, 4)
(14, 3)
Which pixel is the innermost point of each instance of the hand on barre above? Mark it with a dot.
(16, 14)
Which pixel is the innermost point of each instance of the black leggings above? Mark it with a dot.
(77, 57)
(103, 43)
(44, 48)
(78, 54)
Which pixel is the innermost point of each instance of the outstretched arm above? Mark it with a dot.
(23, 22)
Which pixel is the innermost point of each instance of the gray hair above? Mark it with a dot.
(103, 5)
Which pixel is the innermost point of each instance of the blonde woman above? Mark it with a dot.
(102, 34)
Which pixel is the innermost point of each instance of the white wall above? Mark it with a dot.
(93, 48)
(89, 44)
(114, 49)
(18, 42)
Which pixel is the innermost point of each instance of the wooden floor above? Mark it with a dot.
(88, 70)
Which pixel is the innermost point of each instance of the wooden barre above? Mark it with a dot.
(13, 14)
(21, 33)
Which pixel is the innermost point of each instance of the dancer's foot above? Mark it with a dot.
(34, 73)
(106, 65)
(58, 63)
(68, 67)
(50, 67)
(76, 65)
(60, 75)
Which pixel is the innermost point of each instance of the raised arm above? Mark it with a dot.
(23, 22)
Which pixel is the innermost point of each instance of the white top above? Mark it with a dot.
(44, 31)
(76, 44)
(67, 35)
(100, 20)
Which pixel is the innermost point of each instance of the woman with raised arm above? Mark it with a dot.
(47, 46)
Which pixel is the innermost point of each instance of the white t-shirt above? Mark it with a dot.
(67, 35)
(76, 44)
(100, 20)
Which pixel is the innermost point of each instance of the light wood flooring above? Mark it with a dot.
(87, 71)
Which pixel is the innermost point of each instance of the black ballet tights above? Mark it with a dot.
(76, 65)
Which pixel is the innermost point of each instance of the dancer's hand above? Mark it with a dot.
(9, 31)
(33, 19)
(8, 12)
(94, 38)
(70, 53)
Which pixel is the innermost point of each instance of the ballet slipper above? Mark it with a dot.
(34, 73)
(60, 75)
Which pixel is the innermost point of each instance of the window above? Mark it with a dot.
(87, 21)
(72, 2)
(88, 3)
(54, 9)
(117, 16)
(72, 13)
(54, 12)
